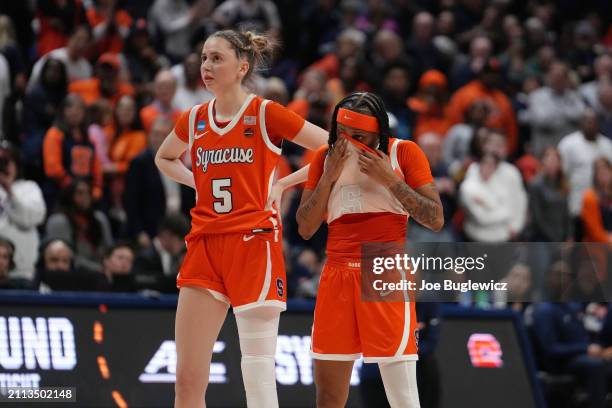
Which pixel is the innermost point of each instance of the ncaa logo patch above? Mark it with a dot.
(201, 125)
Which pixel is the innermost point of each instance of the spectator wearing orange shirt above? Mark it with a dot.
(164, 88)
(429, 105)
(596, 214)
(67, 151)
(106, 84)
(486, 88)
(110, 25)
(57, 19)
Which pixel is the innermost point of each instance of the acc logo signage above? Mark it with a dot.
(485, 351)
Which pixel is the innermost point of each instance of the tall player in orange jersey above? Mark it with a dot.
(368, 184)
(234, 251)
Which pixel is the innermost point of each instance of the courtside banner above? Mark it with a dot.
(126, 357)
(486, 273)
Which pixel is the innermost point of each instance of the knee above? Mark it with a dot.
(190, 383)
(328, 397)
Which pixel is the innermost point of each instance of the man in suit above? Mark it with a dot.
(156, 267)
(149, 195)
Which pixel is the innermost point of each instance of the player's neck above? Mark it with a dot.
(228, 103)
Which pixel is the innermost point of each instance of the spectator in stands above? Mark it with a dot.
(421, 48)
(348, 44)
(312, 88)
(40, 109)
(99, 118)
(387, 50)
(164, 89)
(579, 151)
(555, 109)
(80, 225)
(175, 21)
(156, 267)
(458, 140)
(7, 265)
(519, 288)
(249, 15)
(72, 56)
(106, 83)
(56, 256)
(429, 105)
(548, 201)
(110, 25)
(349, 80)
(149, 196)
(67, 151)
(603, 75)
(57, 20)
(22, 210)
(190, 88)
(431, 144)
(596, 213)
(117, 267)
(466, 69)
(604, 109)
(486, 87)
(395, 89)
(9, 48)
(564, 342)
(494, 200)
(141, 59)
(307, 281)
(276, 91)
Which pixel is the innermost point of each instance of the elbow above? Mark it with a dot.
(306, 235)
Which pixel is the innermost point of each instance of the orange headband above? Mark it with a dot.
(357, 120)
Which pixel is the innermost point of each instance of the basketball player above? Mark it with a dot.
(234, 253)
(368, 184)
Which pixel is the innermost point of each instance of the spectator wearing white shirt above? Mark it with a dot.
(579, 150)
(73, 57)
(190, 89)
(554, 110)
(603, 74)
(22, 209)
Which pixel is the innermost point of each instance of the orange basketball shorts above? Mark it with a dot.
(243, 270)
(346, 328)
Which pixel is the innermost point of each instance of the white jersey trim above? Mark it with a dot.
(192, 118)
(264, 131)
(335, 357)
(235, 119)
(394, 161)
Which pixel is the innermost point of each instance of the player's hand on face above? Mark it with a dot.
(336, 159)
(377, 166)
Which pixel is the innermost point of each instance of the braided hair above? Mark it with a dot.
(366, 103)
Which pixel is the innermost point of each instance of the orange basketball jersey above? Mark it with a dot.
(234, 165)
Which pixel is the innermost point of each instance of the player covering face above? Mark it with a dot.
(366, 184)
(234, 251)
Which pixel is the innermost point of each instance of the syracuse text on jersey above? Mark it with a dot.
(205, 157)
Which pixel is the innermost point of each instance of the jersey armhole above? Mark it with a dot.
(192, 117)
(264, 131)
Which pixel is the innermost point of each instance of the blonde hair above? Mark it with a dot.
(257, 49)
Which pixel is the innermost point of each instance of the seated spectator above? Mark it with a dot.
(67, 151)
(117, 267)
(312, 87)
(190, 87)
(259, 16)
(99, 130)
(458, 140)
(429, 105)
(387, 50)
(549, 201)
(421, 47)
(156, 267)
(110, 25)
(57, 20)
(141, 59)
(395, 89)
(73, 56)
(466, 69)
(40, 108)
(487, 88)
(349, 80)
(81, 226)
(164, 89)
(307, 273)
(149, 195)
(596, 214)
(564, 343)
(519, 288)
(7, 264)
(276, 91)
(175, 22)
(494, 201)
(579, 150)
(604, 109)
(22, 210)
(555, 109)
(603, 76)
(105, 84)
(57, 271)
(348, 44)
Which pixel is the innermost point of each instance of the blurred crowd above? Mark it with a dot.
(511, 101)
